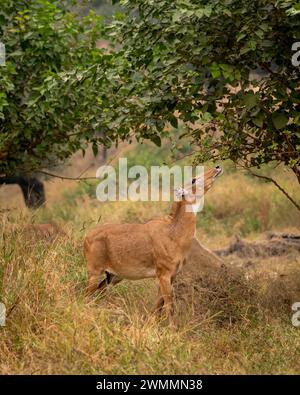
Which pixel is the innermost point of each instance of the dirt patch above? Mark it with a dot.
(273, 244)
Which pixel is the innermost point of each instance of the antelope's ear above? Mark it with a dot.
(181, 193)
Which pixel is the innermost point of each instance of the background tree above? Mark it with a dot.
(222, 68)
(49, 104)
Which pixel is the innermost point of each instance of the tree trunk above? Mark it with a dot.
(32, 189)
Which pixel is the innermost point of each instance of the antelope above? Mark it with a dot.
(155, 249)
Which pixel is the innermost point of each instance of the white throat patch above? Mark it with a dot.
(196, 207)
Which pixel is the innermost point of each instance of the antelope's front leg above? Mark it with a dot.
(160, 299)
(159, 302)
(166, 291)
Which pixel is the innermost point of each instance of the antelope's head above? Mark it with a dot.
(198, 187)
(205, 182)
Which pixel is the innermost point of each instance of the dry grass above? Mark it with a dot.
(236, 320)
(226, 324)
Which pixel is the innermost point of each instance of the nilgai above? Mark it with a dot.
(154, 249)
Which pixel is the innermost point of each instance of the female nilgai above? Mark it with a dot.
(154, 249)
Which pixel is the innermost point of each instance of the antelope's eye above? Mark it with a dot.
(193, 180)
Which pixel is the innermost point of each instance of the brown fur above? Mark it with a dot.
(202, 258)
(156, 248)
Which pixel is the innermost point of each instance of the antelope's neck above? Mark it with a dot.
(183, 223)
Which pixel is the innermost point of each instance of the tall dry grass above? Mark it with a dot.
(226, 324)
(237, 321)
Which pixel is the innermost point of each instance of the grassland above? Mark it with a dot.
(233, 322)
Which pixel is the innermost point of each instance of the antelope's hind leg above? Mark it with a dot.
(95, 257)
(94, 281)
(110, 279)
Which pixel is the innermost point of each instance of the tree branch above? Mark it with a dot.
(78, 178)
(277, 185)
(46, 173)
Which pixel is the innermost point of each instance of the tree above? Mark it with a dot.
(49, 104)
(222, 68)
(32, 189)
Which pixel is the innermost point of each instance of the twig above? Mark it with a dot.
(182, 157)
(84, 171)
(13, 306)
(78, 178)
(46, 173)
(277, 185)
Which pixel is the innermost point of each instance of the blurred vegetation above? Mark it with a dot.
(49, 103)
(238, 203)
(104, 8)
(223, 69)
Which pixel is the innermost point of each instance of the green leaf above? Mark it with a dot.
(258, 120)
(250, 100)
(177, 16)
(280, 120)
(156, 140)
(173, 121)
(240, 36)
(215, 70)
(207, 117)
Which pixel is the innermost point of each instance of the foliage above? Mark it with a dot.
(220, 70)
(45, 114)
(223, 68)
